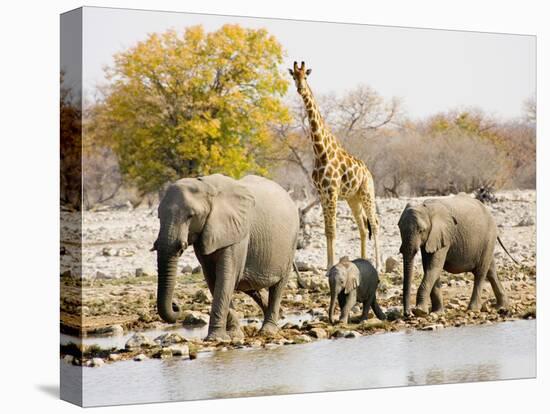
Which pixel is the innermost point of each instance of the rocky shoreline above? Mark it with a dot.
(117, 293)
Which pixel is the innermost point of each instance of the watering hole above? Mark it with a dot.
(475, 353)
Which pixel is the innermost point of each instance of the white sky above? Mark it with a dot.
(431, 70)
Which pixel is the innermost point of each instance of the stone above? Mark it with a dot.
(201, 296)
(302, 339)
(170, 338)
(393, 314)
(292, 285)
(100, 275)
(140, 357)
(303, 266)
(115, 330)
(68, 359)
(298, 298)
(352, 334)
(187, 269)
(114, 357)
(163, 353)
(340, 333)
(125, 252)
(190, 317)
(433, 327)
(391, 264)
(197, 270)
(67, 273)
(109, 251)
(96, 362)
(318, 333)
(139, 340)
(139, 272)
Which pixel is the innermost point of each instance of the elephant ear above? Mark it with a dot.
(229, 219)
(352, 279)
(443, 223)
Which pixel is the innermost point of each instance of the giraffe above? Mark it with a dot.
(337, 174)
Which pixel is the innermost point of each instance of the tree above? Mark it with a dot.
(191, 104)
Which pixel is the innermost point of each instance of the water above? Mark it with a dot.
(189, 332)
(477, 353)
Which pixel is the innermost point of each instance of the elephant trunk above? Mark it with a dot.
(167, 266)
(408, 262)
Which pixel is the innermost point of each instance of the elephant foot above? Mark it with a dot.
(420, 311)
(438, 310)
(218, 335)
(269, 329)
(502, 304)
(475, 307)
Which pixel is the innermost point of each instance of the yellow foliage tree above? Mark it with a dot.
(192, 104)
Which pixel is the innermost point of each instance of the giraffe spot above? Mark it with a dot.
(318, 147)
(326, 182)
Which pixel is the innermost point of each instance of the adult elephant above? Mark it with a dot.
(244, 234)
(456, 234)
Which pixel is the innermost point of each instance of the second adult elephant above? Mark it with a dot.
(244, 234)
(456, 234)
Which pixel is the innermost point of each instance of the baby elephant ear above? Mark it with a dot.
(352, 280)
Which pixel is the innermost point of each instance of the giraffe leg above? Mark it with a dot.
(357, 211)
(329, 213)
(369, 207)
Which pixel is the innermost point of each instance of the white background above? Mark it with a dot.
(29, 76)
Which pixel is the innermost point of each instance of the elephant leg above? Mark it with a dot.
(357, 211)
(260, 297)
(378, 310)
(433, 267)
(350, 300)
(209, 270)
(366, 309)
(230, 263)
(498, 289)
(479, 277)
(437, 298)
(269, 326)
(329, 214)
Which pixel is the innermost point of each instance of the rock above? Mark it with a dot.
(96, 362)
(292, 285)
(164, 353)
(100, 275)
(340, 333)
(352, 334)
(298, 298)
(145, 271)
(109, 251)
(140, 357)
(201, 296)
(391, 264)
(433, 327)
(317, 312)
(195, 318)
(125, 252)
(303, 266)
(139, 340)
(114, 357)
(484, 307)
(68, 359)
(197, 270)
(187, 269)
(394, 314)
(302, 339)
(115, 330)
(170, 338)
(318, 333)
(526, 220)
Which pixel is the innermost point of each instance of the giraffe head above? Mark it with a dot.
(300, 74)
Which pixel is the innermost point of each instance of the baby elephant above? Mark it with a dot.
(351, 282)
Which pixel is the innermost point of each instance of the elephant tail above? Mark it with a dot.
(507, 252)
(295, 267)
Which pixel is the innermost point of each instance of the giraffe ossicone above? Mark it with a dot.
(337, 174)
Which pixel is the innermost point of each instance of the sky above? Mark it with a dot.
(430, 70)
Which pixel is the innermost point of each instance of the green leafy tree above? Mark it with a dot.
(193, 103)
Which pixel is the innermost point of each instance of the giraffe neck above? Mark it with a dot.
(323, 140)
